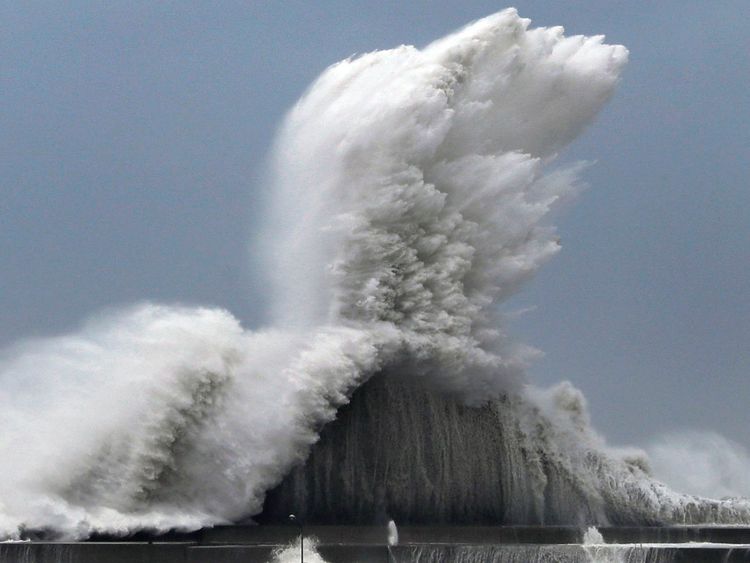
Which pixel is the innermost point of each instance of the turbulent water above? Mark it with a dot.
(410, 190)
(507, 462)
(541, 553)
(294, 552)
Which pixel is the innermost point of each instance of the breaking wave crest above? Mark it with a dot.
(410, 191)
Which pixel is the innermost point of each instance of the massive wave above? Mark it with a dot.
(409, 196)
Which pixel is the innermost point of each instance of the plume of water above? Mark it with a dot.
(392, 533)
(412, 186)
(410, 190)
(592, 536)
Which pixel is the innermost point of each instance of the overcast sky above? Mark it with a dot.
(132, 149)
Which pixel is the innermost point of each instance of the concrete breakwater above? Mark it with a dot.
(419, 544)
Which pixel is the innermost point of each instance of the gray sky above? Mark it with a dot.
(132, 147)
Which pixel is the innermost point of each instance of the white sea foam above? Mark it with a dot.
(410, 190)
(392, 533)
(291, 553)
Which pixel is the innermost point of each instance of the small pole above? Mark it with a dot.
(293, 518)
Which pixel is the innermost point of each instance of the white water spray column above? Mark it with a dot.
(392, 539)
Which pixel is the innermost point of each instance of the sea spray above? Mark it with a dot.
(392, 534)
(412, 188)
(293, 552)
(718, 467)
(592, 536)
(409, 197)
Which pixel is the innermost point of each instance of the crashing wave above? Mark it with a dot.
(409, 199)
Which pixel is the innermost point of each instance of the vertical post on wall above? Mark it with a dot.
(294, 519)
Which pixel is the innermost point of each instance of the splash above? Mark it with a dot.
(410, 194)
(392, 534)
(592, 536)
(294, 552)
(419, 179)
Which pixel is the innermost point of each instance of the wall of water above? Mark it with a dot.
(386, 455)
(404, 450)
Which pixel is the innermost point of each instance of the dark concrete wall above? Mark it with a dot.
(433, 553)
(125, 552)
